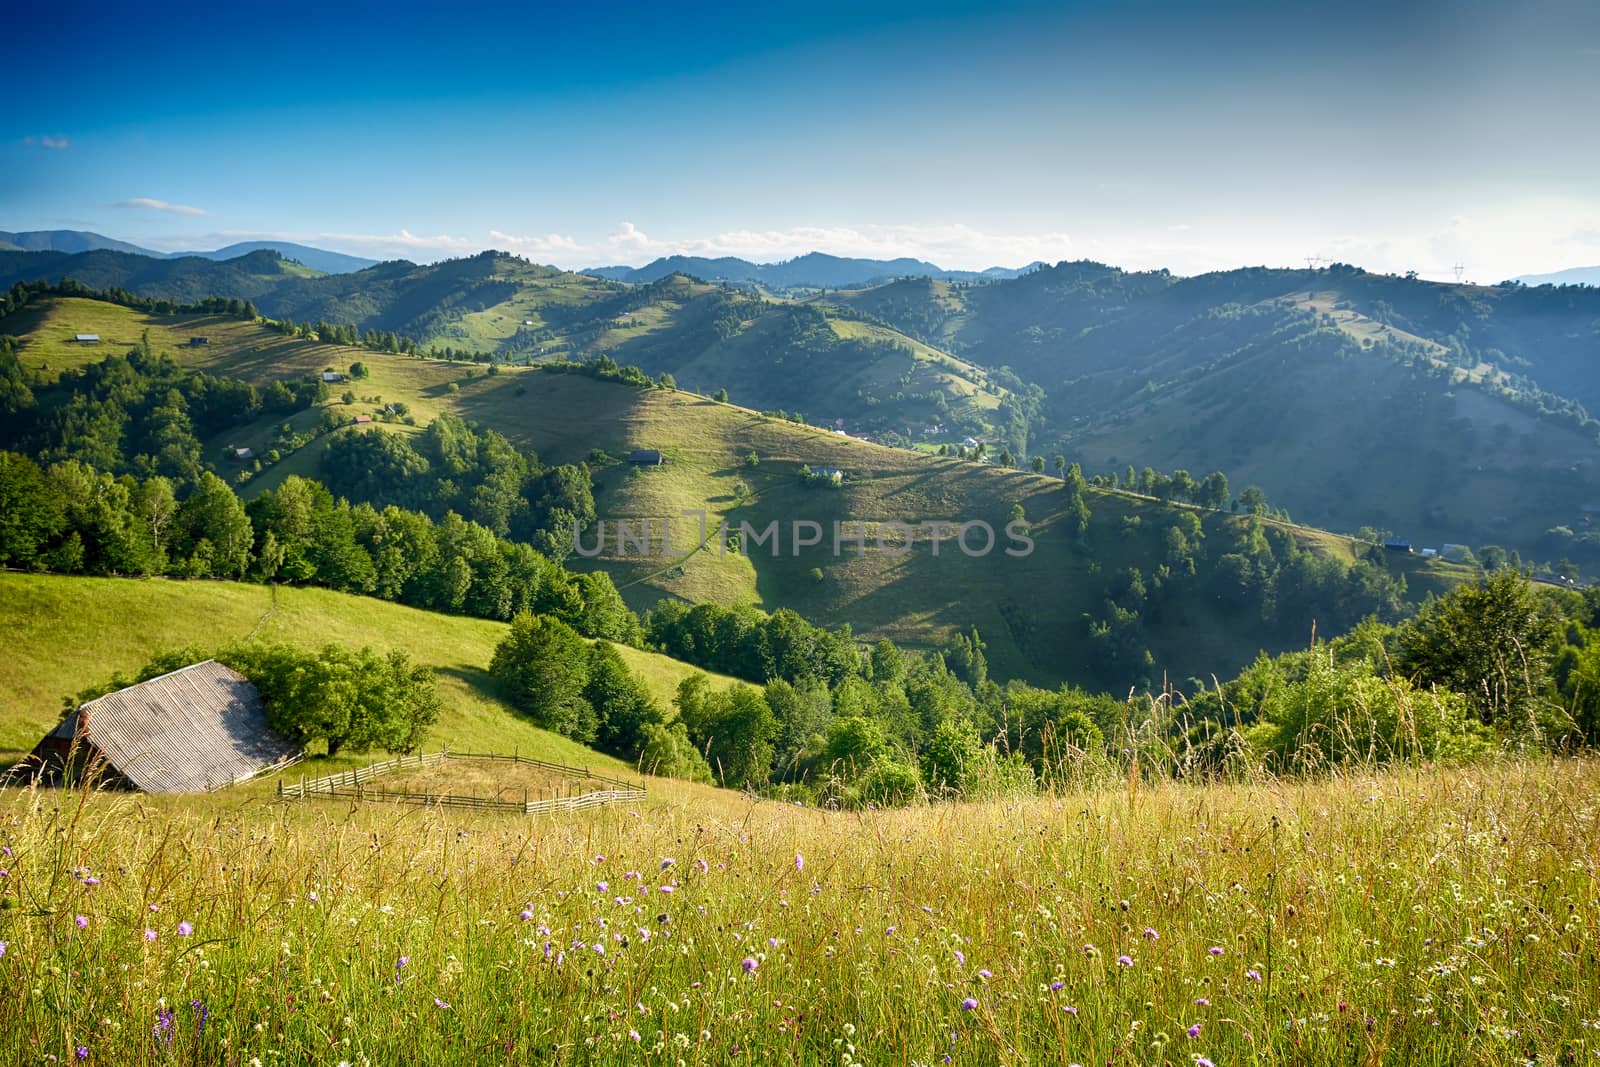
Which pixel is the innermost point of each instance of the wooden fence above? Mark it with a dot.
(352, 785)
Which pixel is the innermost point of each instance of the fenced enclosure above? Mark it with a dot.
(567, 792)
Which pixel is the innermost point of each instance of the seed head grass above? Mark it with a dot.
(1438, 916)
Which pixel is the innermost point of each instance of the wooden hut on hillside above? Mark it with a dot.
(199, 728)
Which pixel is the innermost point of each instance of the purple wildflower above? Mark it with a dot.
(1201, 1061)
(185, 928)
(81, 920)
(91, 880)
(1253, 974)
(149, 934)
(961, 957)
(749, 965)
(525, 915)
(603, 886)
(1215, 950)
(1201, 1002)
(201, 1014)
(799, 862)
(82, 1052)
(1150, 934)
(1124, 961)
(985, 974)
(1057, 986)
(162, 1030)
(1193, 1031)
(633, 1035)
(702, 866)
(969, 1004)
(440, 1004)
(668, 862)
(3, 945)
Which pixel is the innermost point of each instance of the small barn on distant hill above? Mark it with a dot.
(646, 457)
(193, 730)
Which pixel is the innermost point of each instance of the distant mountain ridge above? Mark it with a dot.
(315, 258)
(76, 241)
(814, 270)
(69, 241)
(1573, 276)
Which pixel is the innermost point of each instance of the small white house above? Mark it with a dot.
(332, 376)
(86, 338)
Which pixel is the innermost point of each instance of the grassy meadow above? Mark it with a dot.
(1414, 917)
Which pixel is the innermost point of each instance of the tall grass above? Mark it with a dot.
(1427, 916)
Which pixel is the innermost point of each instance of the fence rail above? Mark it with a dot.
(351, 784)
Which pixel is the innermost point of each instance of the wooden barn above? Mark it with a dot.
(646, 457)
(199, 728)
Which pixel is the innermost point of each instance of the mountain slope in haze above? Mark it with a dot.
(814, 270)
(70, 241)
(319, 259)
(1445, 413)
(1572, 276)
(74, 241)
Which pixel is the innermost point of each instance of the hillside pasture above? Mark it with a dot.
(65, 634)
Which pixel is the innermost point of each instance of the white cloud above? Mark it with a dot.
(59, 143)
(533, 247)
(147, 204)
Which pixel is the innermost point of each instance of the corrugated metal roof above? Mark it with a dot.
(199, 728)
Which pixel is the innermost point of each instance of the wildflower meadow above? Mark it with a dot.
(1436, 916)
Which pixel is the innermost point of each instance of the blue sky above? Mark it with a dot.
(1396, 136)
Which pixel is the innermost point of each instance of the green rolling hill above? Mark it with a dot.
(827, 365)
(1086, 605)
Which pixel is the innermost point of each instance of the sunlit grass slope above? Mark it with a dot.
(64, 634)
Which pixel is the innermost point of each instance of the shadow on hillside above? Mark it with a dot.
(479, 681)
